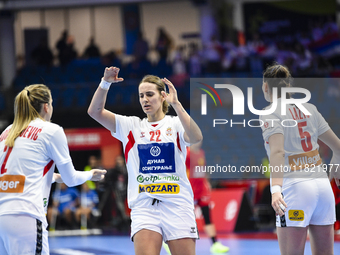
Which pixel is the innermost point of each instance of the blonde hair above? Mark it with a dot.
(160, 87)
(27, 106)
(277, 76)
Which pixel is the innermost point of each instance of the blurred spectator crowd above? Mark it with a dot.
(312, 52)
(73, 77)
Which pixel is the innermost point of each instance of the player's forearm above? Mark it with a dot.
(97, 104)
(277, 163)
(71, 177)
(191, 128)
(332, 141)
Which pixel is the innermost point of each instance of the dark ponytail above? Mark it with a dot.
(277, 76)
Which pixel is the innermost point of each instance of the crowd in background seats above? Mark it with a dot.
(300, 52)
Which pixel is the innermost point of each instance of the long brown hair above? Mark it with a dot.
(27, 107)
(160, 87)
(277, 76)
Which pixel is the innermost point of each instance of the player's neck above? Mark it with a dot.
(156, 117)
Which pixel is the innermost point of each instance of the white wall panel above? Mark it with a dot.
(18, 35)
(23, 20)
(80, 27)
(55, 22)
(176, 17)
(30, 19)
(109, 28)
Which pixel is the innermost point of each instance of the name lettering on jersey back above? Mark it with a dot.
(12, 183)
(161, 188)
(304, 160)
(297, 114)
(31, 132)
(4, 135)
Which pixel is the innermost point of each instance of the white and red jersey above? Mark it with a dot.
(301, 134)
(155, 155)
(27, 168)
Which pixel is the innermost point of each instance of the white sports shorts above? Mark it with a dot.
(170, 220)
(22, 235)
(310, 202)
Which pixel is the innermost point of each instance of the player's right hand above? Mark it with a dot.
(278, 203)
(98, 174)
(111, 75)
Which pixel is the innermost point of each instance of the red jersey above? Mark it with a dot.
(195, 163)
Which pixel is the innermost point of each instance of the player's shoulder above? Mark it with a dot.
(124, 118)
(47, 129)
(4, 134)
(52, 127)
(313, 110)
(7, 128)
(274, 114)
(171, 118)
(310, 106)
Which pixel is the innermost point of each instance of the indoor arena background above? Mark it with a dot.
(180, 40)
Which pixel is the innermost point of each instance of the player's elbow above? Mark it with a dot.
(336, 147)
(197, 139)
(278, 152)
(70, 182)
(90, 112)
(93, 114)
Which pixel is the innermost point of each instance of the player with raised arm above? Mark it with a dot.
(159, 192)
(29, 150)
(301, 192)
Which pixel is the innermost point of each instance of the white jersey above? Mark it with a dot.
(155, 155)
(301, 132)
(27, 168)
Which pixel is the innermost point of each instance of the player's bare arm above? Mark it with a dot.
(277, 159)
(192, 132)
(96, 109)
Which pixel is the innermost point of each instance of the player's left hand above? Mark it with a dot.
(171, 98)
(57, 178)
